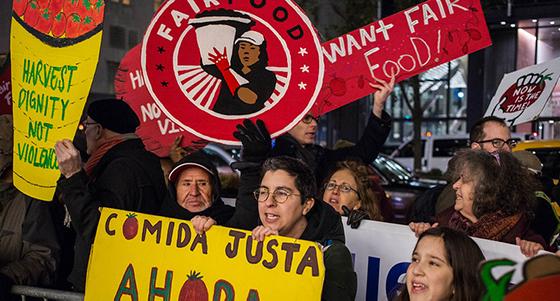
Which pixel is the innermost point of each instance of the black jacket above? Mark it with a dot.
(218, 211)
(127, 177)
(322, 160)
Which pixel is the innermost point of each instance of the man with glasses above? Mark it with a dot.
(120, 173)
(491, 134)
(299, 142)
(287, 207)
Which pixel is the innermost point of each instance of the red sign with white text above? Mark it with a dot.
(156, 130)
(404, 44)
(210, 65)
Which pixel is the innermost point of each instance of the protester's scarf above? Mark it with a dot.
(493, 226)
(103, 149)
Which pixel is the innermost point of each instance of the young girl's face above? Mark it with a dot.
(429, 276)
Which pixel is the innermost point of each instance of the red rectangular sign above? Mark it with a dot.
(405, 44)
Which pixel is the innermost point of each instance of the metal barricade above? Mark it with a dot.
(45, 293)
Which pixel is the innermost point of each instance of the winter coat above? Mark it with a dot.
(218, 211)
(127, 177)
(29, 246)
(323, 160)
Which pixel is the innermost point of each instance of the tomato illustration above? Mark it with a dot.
(523, 93)
(130, 226)
(32, 13)
(73, 25)
(194, 288)
(19, 7)
(45, 21)
(59, 25)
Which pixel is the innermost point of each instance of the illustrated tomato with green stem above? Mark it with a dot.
(194, 288)
(45, 21)
(130, 226)
(59, 25)
(32, 13)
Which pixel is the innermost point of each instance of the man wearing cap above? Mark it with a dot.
(120, 173)
(247, 83)
(28, 242)
(194, 188)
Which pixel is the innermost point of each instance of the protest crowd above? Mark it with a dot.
(260, 70)
(294, 189)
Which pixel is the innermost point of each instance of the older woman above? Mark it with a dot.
(444, 267)
(349, 186)
(494, 196)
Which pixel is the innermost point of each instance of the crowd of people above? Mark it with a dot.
(295, 189)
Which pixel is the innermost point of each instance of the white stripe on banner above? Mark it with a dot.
(382, 252)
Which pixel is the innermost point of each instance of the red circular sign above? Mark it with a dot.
(211, 67)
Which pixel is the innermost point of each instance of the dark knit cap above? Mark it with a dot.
(114, 115)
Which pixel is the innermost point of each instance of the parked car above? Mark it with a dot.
(399, 184)
(436, 151)
(548, 152)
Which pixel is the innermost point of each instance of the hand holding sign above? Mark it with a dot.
(68, 157)
(380, 97)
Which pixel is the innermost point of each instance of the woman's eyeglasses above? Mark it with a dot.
(344, 188)
(279, 195)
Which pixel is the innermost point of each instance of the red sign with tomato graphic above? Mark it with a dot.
(523, 94)
(209, 66)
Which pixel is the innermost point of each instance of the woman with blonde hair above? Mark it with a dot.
(348, 190)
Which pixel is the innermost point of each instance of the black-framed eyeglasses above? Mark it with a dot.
(344, 188)
(279, 195)
(307, 119)
(499, 143)
(84, 125)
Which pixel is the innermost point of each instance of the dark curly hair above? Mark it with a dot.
(500, 182)
(366, 195)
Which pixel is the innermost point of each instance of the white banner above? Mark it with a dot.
(382, 253)
(522, 94)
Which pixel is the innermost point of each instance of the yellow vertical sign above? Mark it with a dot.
(141, 257)
(54, 55)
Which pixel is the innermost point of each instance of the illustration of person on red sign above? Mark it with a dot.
(245, 83)
(248, 84)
